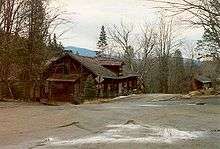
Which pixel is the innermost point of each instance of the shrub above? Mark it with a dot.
(90, 89)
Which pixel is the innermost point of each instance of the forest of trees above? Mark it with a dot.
(26, 43)
(157, 55)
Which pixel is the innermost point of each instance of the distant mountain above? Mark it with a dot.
(81, 51)
(195, 62)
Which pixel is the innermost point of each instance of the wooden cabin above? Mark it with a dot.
(66, 76)
(202, 82)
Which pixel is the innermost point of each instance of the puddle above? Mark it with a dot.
(131, 133)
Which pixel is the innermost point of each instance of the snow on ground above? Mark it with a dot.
(132, 133)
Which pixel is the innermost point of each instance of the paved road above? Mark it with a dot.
(147, 121)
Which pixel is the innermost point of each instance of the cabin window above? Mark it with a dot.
(59, 70)
(64, 69)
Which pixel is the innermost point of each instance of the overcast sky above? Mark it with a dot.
(89, 15)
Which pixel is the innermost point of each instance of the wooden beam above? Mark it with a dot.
(50, 91)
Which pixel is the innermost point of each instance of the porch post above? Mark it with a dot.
(50, 90)
(109, 89)
(73, 92)
(1, 90)
(120, 88)
(100, 88)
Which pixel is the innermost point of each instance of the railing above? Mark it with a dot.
(63, 76)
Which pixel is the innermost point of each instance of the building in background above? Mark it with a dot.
(202, 82)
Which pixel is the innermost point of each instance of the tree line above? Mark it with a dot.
(156, 55)
(204, 14)
(26, 43)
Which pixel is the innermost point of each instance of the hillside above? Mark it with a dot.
(81, 51)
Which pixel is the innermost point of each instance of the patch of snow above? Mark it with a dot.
(133, 133)
(128, 126)
(170, 135)
(191, 104)
(46, 140)
(120, 97)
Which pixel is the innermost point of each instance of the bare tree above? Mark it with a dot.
(121, 35)
(122, 38)
(165, 45)
(10, 43)
(206, 14)
(203, 13)
(151, 58)
(148, 43)
(24, 39)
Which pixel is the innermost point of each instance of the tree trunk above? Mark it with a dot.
(9, 89)
(1, 91)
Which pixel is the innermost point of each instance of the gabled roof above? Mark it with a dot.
(107, 61)
(127, 73)
(94, 66)
(203, 79)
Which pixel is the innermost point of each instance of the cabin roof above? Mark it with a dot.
(203, 79)
(128, 73)
(94, 66)
(106, 61)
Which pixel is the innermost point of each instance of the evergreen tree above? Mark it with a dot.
(90, 89)
(102, 43)
(178, 73)
(208, 46)
(163, 74)
(56, 48)
(129, 57)
(37, 34)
